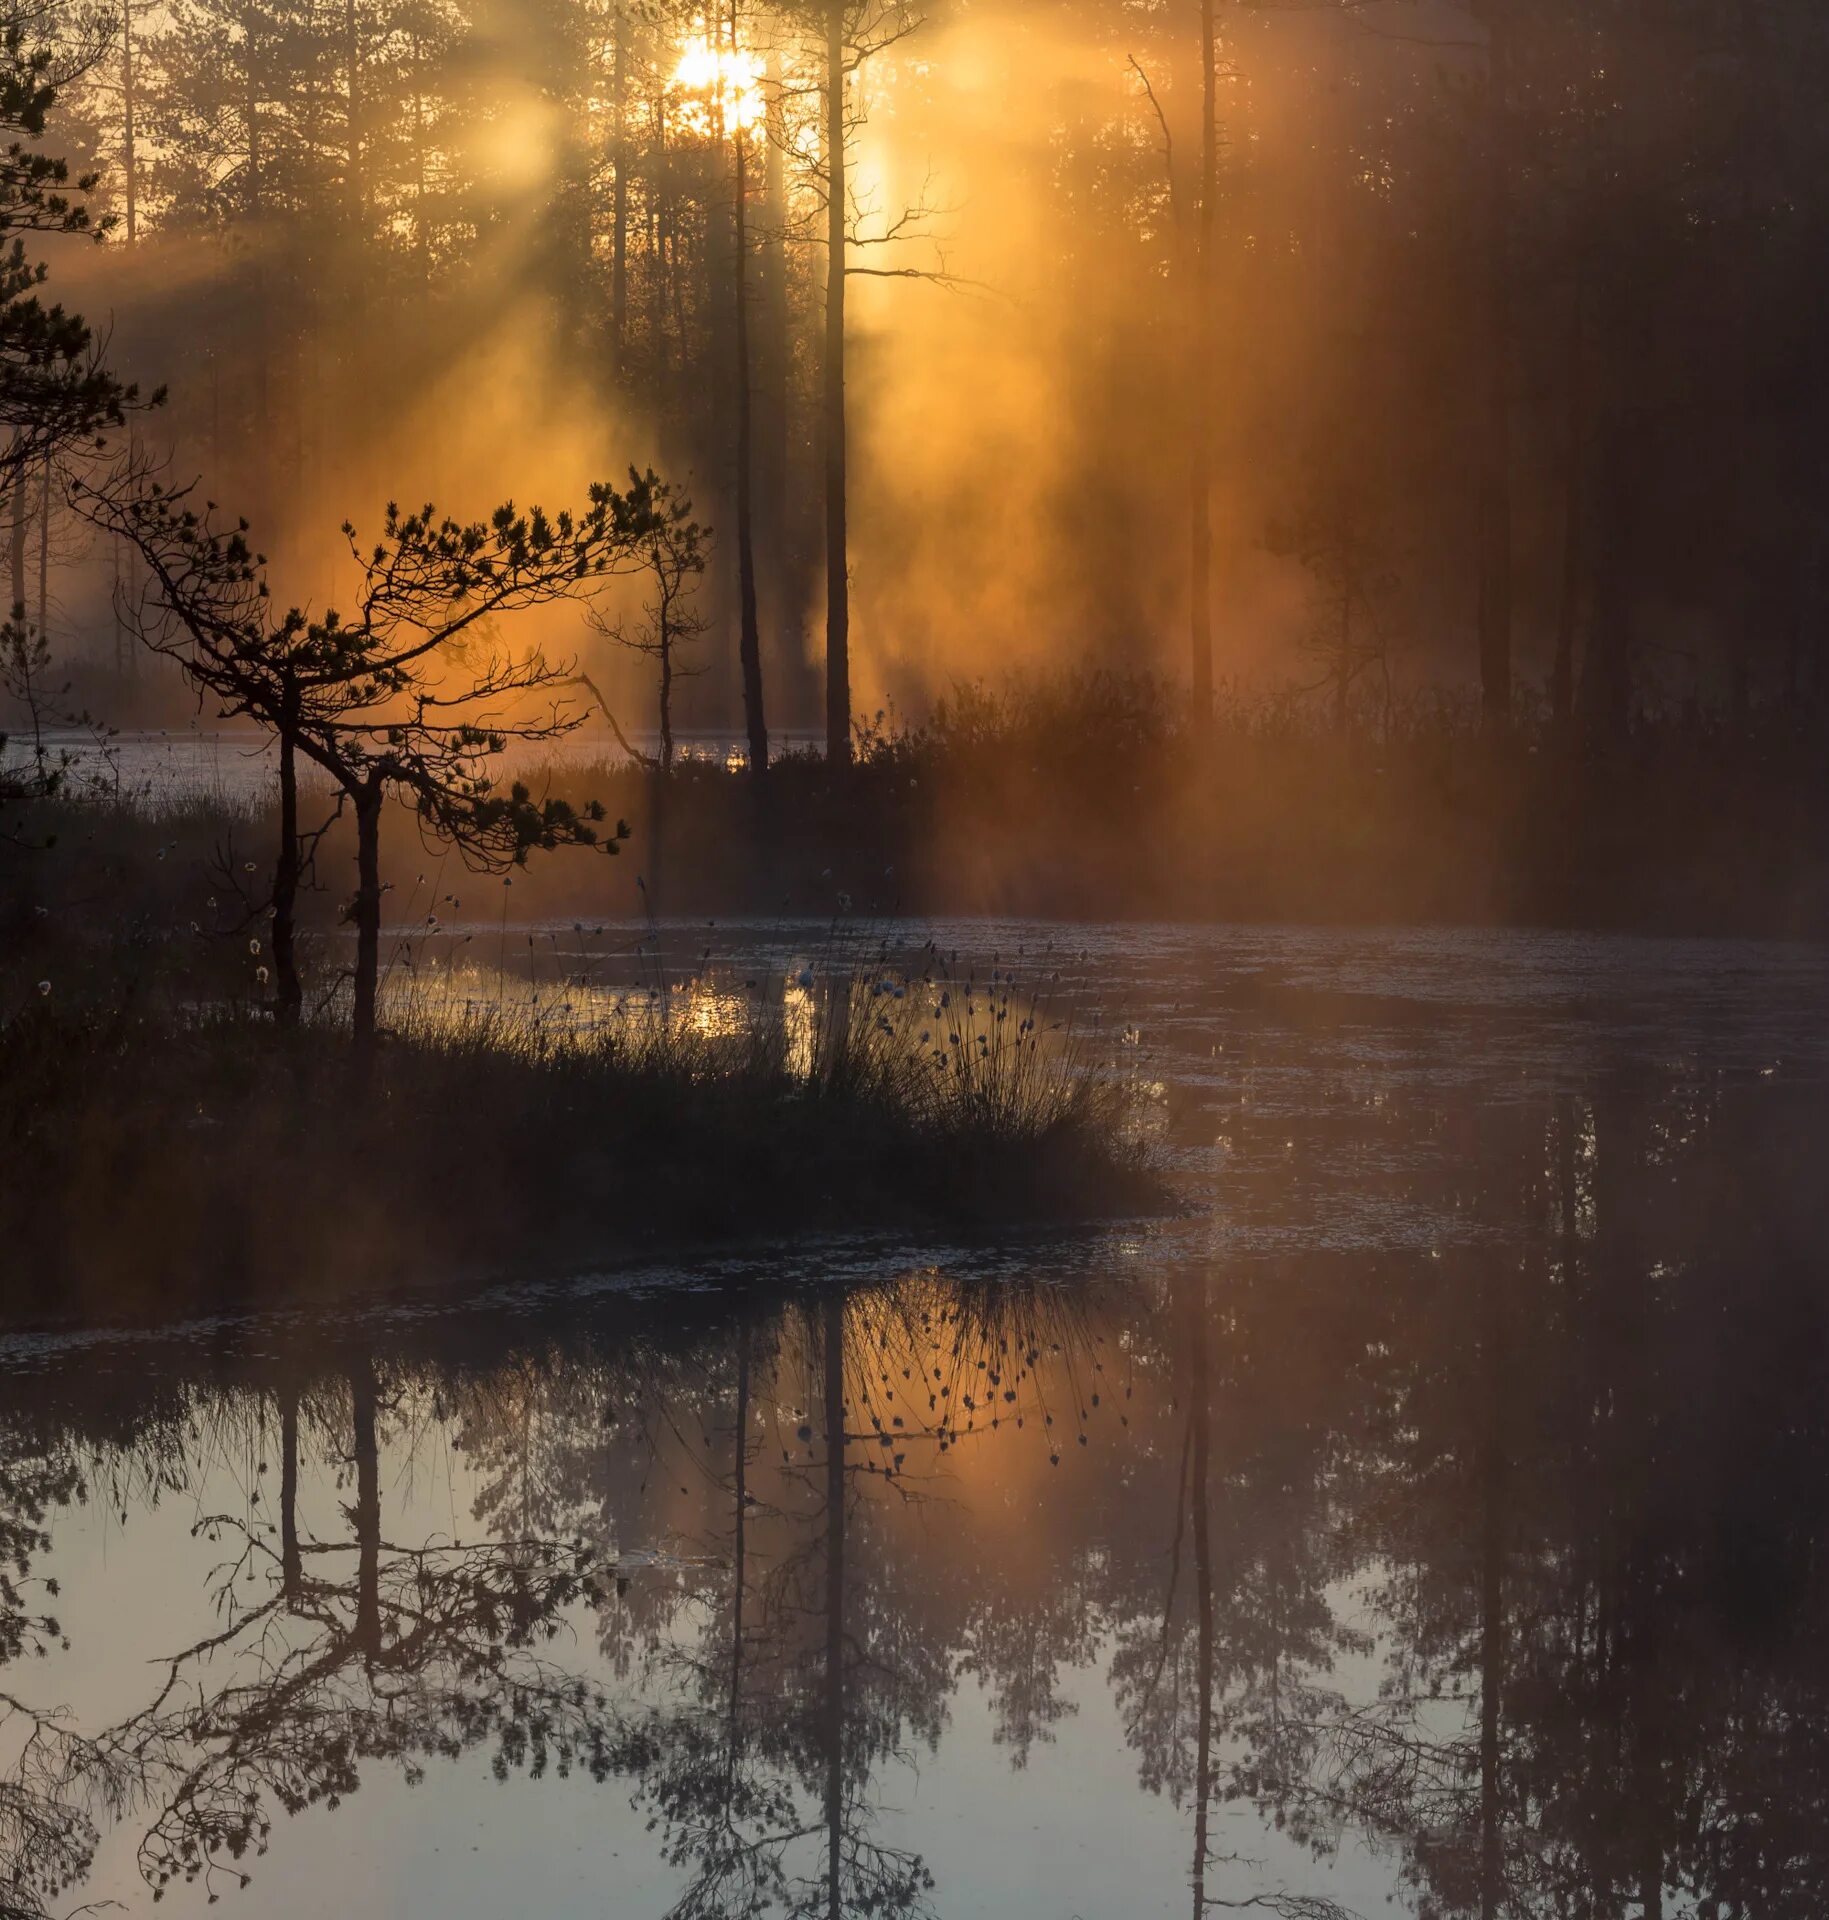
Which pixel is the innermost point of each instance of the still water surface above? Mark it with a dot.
(1435, 1520)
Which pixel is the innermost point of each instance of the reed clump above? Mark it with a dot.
(171, 1159)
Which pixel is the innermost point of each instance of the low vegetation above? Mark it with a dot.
(1085, 796)
(159, 1162)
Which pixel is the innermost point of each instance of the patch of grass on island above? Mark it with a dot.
(166, 1163)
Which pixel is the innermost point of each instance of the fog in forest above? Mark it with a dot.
(457, 253)
(913, 929)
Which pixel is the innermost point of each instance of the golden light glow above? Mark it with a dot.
(722, 85)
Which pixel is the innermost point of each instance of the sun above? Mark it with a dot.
(722, 85)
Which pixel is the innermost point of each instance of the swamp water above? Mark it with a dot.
(1435, 1519)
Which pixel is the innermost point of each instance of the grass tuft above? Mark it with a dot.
(174, 1162)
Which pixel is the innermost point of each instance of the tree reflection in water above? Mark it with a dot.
(56, 1779)
(356, 1650)
(821, 1666)
(1495, 1579)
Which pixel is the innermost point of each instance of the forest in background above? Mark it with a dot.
(1489, 333)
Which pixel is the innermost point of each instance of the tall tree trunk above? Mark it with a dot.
(291, 1562)
(673, 281)
(1562, 667)
(1200, 508)
(121, 655)
(838, 587)
(733, 1739)
(130, 169)
(1495, 558)
(44, 549)
(666, 703)
(22, 514)
(749, 645)
(1200, 1413)
(348, 360)
(251, 108)
(833, 1357)
(288, 994)
(660, 353)
(422, 232)
(363, 1400)
(352, 114)
(1492, 1595)
(773, 526)
(619, 203)
(259, 426)
(1751, 151)
(368, 920)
